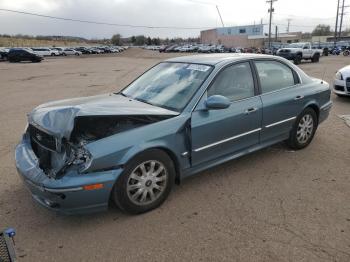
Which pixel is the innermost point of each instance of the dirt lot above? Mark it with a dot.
(273, 205)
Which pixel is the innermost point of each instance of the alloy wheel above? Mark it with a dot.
(305, 129)
(147, 182)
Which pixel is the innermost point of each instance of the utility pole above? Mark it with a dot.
(341, 18)
(336, 25)
(271, 10)
(289, 19)
(276, 34)
(222, 22)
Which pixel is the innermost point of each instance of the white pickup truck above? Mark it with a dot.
(300, 51)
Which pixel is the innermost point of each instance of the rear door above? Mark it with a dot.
(281, 96)
(216, 133)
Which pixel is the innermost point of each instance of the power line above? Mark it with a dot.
(103, 23)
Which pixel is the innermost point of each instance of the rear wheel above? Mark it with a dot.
(303, 130)
(145, 183)
(315, 58)
(297, 59)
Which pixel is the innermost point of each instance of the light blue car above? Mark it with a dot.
(180, 117)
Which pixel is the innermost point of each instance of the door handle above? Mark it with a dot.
(298, 97)
(250, 110)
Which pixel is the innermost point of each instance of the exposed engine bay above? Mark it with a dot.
(91, 128)
(55, 156)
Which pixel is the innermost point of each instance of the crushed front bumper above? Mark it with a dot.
(66, 195)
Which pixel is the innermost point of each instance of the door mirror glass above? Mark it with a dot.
(217, 102)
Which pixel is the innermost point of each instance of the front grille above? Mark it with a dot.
(4, 253)
(348, 84)
(43, 145)
(40, 137)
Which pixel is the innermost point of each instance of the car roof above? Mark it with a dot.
(213, 59)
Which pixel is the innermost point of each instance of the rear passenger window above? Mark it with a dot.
(234, 82)
(274, 75)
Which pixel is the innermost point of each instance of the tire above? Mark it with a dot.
(296, 138)
(346, 53)
(129, 190)
(297, 59)
(52, 54)
(315, 58)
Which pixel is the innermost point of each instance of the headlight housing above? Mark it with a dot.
(339, 76)
(81, 158)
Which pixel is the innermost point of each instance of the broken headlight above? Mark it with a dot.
(80, 157)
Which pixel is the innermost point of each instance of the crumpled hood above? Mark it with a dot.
(58, 117)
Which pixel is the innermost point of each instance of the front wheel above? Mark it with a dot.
(145, 183)
(303, 130)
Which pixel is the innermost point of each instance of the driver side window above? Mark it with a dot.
(234, 82)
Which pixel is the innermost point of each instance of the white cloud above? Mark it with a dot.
(180, 13)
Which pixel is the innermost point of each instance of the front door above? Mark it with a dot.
(217, 133)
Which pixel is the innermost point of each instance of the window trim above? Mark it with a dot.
(254, 77)
(296, 76)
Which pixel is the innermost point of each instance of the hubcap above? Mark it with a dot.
(305, 128)
(147, 182)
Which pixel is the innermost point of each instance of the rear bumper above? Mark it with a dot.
(324, 111)
(67, 194)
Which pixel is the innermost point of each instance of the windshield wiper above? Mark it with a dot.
(122, 94)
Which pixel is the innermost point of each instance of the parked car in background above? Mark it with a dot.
(184, 115)
(298, 52)
(44, 51)
(341, 84)
(59, 50)
(94, 50)
(71, 51)
(3, 54)
(204, 49)
(170, 48)
(23, 54)
(83, 50)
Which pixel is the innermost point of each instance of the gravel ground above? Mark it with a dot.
(272, 205)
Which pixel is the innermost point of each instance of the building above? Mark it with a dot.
(235, 36)
(245, 36)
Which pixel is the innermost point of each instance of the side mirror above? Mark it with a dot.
(217, 102)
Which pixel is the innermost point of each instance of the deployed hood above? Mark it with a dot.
(58, 117)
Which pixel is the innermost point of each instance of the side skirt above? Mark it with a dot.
(196, 169)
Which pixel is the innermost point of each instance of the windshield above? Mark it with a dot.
(168, 85)
(296, 45)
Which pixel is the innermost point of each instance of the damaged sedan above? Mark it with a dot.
(180, 117)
